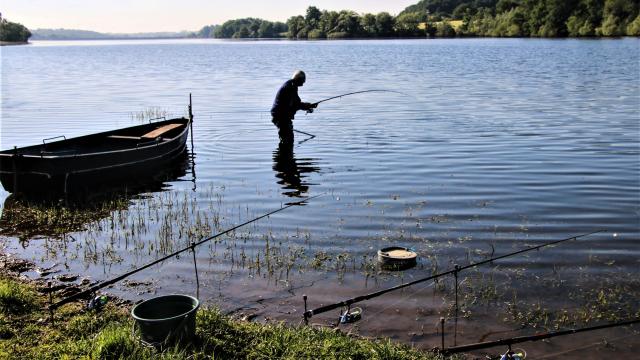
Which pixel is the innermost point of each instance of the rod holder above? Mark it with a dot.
(195, 266)
(306, 318)
(455, 275)
(50, 302)
(442, 333)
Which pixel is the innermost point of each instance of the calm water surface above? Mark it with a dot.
(496, 145)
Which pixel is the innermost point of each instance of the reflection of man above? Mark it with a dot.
(289, 172)
(285, 105)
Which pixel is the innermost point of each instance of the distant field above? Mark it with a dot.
(455, 24)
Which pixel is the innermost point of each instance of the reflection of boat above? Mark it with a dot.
(291, 171)
(30, 214)
(61, 166)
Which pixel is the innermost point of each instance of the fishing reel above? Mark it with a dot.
(517, 354)
(350, 315)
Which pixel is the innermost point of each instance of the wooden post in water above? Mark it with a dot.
(15, 169)
(191, 122)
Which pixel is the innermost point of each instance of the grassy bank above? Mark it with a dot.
(26, 332)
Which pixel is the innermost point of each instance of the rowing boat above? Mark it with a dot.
(62, 165)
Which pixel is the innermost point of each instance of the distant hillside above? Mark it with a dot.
(72, 34)
(529, 18)
(447, 7)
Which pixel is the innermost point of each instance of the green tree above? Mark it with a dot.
(479, 24)
(444, 29)
(557, 12)
(266, 30)
(13, 32)
(446, 7)
(634, 27)
(462, 10)
(206, 32)
(384, 24)
(368, 25)
(348, 23)
(296, 25)
(509, 24)
(617, 15)
(313, 16)
(505, 6)
(408, 24)
(585, 18)
(328, 21)
(242, 33)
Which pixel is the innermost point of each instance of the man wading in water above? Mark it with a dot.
(285, 105)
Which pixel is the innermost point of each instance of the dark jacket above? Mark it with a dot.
(287, 102)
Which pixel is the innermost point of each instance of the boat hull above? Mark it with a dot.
(78, 163)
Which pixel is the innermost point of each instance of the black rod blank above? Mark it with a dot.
(536, 337)
(357, 92)
(309, 313)
(103, 284)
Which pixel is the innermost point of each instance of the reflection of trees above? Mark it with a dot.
(291, 172)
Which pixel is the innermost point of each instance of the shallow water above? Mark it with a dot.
(497, 144)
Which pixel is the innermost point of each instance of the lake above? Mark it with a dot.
(486, 146)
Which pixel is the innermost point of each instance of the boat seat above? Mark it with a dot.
(124, 137)
(159, 131)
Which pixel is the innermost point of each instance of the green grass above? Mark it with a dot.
(26, 332)
(16, 298)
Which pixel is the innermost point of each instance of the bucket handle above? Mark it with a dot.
(158, 344)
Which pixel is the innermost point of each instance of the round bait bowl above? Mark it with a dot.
(167, 318)
(397, 258)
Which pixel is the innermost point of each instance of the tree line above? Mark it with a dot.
(449, 18)
(13, 32)
(537, 18)
(243, 29)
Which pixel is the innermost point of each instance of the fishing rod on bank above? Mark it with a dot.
(535, 337)
(103, 284)
(347, 303)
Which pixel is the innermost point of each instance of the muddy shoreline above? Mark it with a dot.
(414, 322)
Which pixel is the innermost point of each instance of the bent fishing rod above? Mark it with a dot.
(356, 92)
(346, 303)
(101, 285)
(535, 337)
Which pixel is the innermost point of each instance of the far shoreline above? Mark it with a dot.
(326, 39)
(13, 43)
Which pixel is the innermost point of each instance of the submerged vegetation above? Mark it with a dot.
(152, 226)
(448, 18)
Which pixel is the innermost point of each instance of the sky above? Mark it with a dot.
(128, 16)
